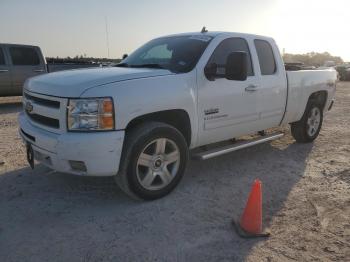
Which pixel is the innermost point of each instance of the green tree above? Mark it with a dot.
(312, 58)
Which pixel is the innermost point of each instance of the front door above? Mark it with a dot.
(5, 75)
(227, 108)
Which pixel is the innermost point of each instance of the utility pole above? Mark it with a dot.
(107, 37)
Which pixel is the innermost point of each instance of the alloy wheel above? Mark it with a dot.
(158, 164)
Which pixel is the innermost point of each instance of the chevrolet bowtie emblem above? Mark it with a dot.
(28, 107)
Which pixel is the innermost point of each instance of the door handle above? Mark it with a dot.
(38, 70)
(3, 70)
(251, 88)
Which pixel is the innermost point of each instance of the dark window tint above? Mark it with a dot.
(266, 58)
(24, 56)
(228, 46)
(2, 57)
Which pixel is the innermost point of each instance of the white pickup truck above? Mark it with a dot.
(140, 121)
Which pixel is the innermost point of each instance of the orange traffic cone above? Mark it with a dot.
(250, 224)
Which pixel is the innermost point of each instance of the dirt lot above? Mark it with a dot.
(47, 216)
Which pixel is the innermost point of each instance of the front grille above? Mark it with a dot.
(47, 112)
(46, 121)
(42, 101)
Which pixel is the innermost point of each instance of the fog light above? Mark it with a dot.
(77, 165)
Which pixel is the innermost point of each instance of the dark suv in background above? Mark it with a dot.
(344, 72)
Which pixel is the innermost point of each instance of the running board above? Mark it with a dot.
(237, 146)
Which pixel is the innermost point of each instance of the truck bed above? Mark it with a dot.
(301, 84)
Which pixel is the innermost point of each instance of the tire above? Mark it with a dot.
(308, 127)
(154, 159)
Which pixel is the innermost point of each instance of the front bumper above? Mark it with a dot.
(98, 153)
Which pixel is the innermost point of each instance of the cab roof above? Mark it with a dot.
(20, 45)
(217, 33)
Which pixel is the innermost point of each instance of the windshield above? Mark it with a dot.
(178, 54)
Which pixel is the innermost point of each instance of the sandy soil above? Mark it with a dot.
(46, 216)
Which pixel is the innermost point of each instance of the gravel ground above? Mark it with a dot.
(47, 216)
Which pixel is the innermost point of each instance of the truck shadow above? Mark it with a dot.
(191, 224)
(10, 106)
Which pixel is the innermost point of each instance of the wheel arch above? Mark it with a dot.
(178, 118)
(319, 97)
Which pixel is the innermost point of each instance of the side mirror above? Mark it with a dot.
(125, 56)
(236, 66)
(210, 71)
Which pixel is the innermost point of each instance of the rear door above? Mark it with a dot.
(272, 84)
(26, 62)
(5, 75)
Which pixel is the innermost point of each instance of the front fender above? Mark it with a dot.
(137, 97)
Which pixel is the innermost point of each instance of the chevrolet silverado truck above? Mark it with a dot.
(176, 96)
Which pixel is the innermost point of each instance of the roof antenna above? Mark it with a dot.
(204, 30)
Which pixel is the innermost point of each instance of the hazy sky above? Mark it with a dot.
(71, 27)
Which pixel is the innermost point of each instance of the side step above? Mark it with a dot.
(239, 145)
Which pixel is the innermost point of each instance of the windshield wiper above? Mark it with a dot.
(148, 66)
(122, 65)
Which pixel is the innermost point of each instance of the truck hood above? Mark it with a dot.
(73, 83)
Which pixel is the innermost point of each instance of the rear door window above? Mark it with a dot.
(266, 58)
(2, 57)
(24, 56)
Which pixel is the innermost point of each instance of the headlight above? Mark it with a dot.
(90, 114)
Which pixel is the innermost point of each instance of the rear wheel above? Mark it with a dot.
(156, 157)
(308, 127)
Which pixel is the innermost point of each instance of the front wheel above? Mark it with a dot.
(308, 127)
(156, 161)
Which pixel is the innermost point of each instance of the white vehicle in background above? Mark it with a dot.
(329, 64)
(140, 121)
